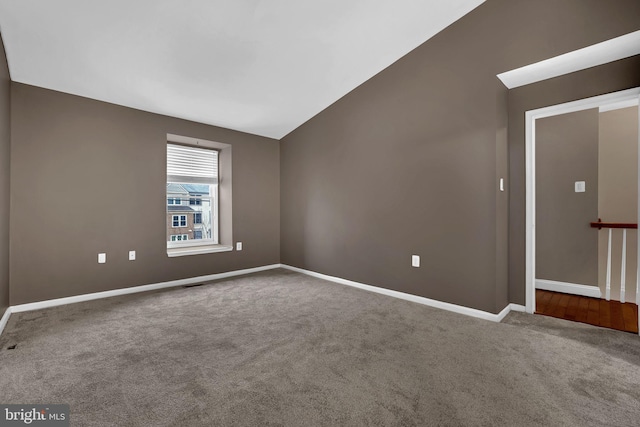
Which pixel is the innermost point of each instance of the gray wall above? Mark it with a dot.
(5, 155)
(566, 152)
(616, 76)
(89, 177)
(405, 164)
(408, 162)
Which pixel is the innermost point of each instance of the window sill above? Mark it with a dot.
(197, 250)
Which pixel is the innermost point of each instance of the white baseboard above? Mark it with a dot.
(569, 288)
(518, 307)
(413, 298)
(5, 319)
(135, 289)
(514, 307)
(200, 279)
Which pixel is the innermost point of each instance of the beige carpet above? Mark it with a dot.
(280, 348)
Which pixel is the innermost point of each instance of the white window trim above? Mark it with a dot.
(215, 214)
(220, 214)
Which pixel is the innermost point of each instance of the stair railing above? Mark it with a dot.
(623, 268)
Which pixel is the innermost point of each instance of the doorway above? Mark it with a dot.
(585, 282)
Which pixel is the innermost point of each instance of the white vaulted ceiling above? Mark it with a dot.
(258, 66)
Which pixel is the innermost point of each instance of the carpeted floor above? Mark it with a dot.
(280, 348)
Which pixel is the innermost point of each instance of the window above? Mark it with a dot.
(199, 186)
(192, 172)
(179, 221)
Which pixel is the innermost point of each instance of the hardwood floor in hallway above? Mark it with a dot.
(594, 311)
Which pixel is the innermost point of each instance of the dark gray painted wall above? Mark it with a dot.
(407, 162)
(566, 152)
(5, 156)
(616, 76)
(618, 196)
(618, 165)
(89, 177)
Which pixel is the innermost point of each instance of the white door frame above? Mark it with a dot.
(530, 170)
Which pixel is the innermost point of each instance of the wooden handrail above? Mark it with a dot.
(600, 225)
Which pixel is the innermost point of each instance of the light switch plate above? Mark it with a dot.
(132, 255)
(102, 258)
(580, 187)
(238, 246)
(415, 260)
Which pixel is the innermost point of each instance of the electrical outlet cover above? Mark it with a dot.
(415, 260)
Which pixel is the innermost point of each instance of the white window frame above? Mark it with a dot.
(222, 221)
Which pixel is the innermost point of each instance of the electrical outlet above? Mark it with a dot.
(102, 258)
(415, 260)
(132, 255)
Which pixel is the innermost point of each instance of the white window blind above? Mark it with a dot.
(191, 164)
